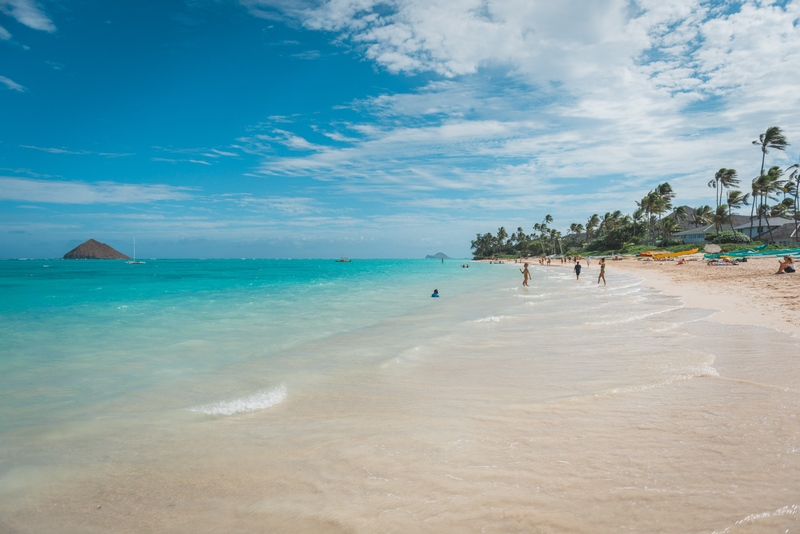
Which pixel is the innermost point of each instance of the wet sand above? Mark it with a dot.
(747, 294)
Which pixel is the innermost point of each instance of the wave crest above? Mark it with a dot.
(259, 401)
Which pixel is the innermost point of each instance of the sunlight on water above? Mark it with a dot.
(341, 397)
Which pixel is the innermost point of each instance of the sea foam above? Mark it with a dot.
(259, 401)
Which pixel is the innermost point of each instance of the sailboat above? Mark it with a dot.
(134, 262)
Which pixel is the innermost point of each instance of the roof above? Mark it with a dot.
(773, 222)
(708, 229)
(782, 232)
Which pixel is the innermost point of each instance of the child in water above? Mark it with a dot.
(577, 270)
(526, 275)
(435, 293)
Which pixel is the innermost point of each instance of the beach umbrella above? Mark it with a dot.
(712, 249)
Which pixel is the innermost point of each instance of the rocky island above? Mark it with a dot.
(438, 256)
(94, 250)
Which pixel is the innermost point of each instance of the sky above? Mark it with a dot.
(372, 128)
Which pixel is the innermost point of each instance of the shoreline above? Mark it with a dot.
(748, 294)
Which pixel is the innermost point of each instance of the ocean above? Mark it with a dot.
(309, 395)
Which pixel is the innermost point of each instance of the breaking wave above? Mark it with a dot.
(253, 403)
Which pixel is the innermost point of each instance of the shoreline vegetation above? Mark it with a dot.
(656, 221)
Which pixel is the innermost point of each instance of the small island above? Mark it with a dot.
(438, 256)
(94, 250)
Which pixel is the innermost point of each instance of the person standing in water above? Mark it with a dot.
(602, 271)
(526, 275)
(577, 270)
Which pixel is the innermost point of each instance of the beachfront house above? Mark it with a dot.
(761, 228)
(785, 234)
(695, 235)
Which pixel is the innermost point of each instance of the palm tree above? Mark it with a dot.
(701, 216)
(638, 214)
(680, 213)
(591, 224)
(736, 200)
(770, 185)
(772, 138)
(724, 179)
(501, 237)
(669, 225)
(796, 177)
(720, 216)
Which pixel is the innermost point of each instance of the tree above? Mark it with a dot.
(591, 224)
(701, 216)
(501, 238)
(796, 177)
(736, 200)
(723, 179)
(772, 138)
(769, 185)
(669, 225)
(720, 216)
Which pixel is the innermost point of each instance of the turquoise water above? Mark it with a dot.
(309, 395)
(88, 337)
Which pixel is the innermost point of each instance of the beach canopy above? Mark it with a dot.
(712, 249)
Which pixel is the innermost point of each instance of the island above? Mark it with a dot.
(94, 250)
(438, 256)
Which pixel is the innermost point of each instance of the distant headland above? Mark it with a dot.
(94, 250)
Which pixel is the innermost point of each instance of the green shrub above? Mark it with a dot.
(728, 236)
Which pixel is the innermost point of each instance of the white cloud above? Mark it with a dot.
(64, 192)
(11, 84)
(52, 150)
(536, 94)
(27, 12)
(4, 34)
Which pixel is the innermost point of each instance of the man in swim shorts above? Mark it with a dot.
(577, 270)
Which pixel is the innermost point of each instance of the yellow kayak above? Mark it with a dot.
(674, 254)
(653, 253)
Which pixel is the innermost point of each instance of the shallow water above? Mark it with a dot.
(341, 397)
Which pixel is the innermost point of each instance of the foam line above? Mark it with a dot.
(259, 401)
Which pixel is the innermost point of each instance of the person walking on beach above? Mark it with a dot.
(577, 270)
(526, 275)
(602, 271)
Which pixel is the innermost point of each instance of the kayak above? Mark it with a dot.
(674, 254)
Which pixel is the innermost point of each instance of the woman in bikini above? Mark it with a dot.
(602, 271)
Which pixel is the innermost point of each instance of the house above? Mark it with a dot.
(695, 235)
(761, 227)
(786, 234)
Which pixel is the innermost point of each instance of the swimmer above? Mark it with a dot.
(526, 275)
(435, 293)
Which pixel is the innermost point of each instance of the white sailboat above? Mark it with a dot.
(134, 262)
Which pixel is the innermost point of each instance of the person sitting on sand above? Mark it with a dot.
(602, 271)
(577, 270)
(435, 293)
(787, 265)
(526, 275)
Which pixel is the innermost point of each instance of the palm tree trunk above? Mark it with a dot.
(796, 192)
(768, 227)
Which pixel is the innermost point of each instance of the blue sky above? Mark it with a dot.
(313, 128)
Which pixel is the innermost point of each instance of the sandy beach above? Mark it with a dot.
(747, 294)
